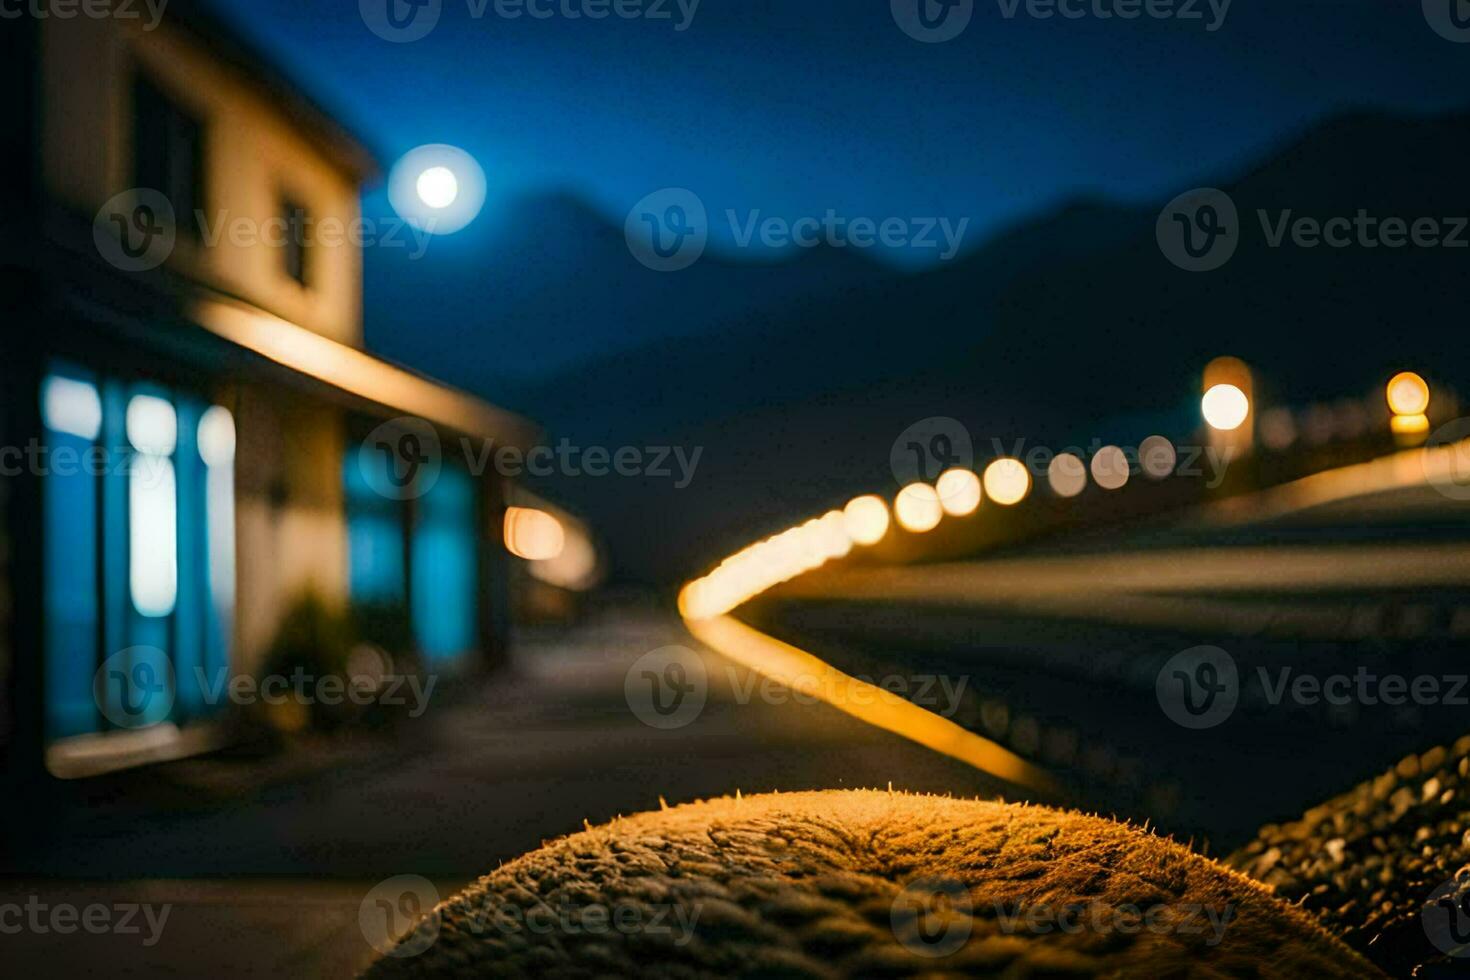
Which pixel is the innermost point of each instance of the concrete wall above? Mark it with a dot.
(253, 158)
(289, 512)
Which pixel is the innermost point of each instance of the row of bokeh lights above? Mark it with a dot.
(921, 507)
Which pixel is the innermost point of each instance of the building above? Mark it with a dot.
(194, 440)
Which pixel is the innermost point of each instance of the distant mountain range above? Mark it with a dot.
(797, 376)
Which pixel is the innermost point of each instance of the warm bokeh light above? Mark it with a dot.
(1225, 407)
(1408, 394)
(1157, 457)
(866, 519)
(1067, 475)
(959, 492)
(1007, 482)
(917, 508)
(1409, 425)
(1110, 468)
(437, 187)
(533, 534)
(1278, 429)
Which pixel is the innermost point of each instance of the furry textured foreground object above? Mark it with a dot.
(844, 883)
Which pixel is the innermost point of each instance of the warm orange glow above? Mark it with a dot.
(866, 519)
(917, 508)
(1408, 394)
(799, 670)
(533, 534)
(1067, 475)
(1409, 425)
(959, 492)
(1225, 407)
(356, 372)
(1007, 482)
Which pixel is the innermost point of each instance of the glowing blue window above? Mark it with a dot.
(71, 409)
(445, 567)
(374, 539)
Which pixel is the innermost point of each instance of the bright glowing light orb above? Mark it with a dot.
(866, 519)
(438, 187)
(1225, 407)
(1408, 394)
(917, 508)
(1007, 482)
(959, 492)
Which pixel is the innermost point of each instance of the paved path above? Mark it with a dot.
(272, 882)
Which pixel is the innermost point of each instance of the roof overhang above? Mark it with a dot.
(358, 373)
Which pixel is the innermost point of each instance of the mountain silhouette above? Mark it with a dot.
(796, 376)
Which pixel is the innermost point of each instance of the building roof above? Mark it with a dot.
(227, 44)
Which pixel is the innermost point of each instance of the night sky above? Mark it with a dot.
(795, 108)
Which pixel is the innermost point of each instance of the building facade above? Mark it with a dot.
(195, 442)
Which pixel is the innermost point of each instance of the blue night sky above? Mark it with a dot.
(794, 107)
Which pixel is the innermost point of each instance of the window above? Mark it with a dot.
(168, 153)
(138, 498)
(446, 578)
(294, 247)
(419, 555)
